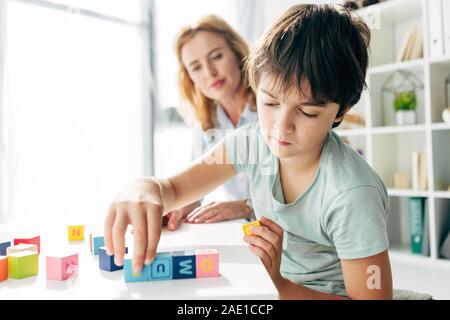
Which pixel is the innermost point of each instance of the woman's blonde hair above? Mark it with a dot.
(204, 107)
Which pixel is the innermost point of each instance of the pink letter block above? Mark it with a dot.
(62, 267)
(207, 263)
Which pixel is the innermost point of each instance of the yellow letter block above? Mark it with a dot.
(248, 225)
(76, 233)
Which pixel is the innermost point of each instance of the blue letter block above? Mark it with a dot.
(3, 247)
(97, 242)
(107, 262)
(132, 277)
(183, 264)
(161, 267)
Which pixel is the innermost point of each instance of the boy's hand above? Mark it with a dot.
(140, 205)
(219, 211)
(267, 243)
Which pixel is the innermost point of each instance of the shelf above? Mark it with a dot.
(391, 67)
(398, 129)
(392, 152)
(407, 193)
(444, 60)
(402, 252)
(442, 194)
(351, 132)
(440, 126)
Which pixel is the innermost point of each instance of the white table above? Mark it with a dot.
(242, 275)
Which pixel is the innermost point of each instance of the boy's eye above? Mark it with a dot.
(308, 115)
(270, 104)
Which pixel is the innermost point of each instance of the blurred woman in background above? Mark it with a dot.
(211, 81)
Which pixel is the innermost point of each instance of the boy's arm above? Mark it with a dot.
(366, 278)
(146, 200)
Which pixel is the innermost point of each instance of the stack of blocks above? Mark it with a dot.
(176, 265)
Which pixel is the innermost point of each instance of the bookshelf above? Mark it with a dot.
(388, 147)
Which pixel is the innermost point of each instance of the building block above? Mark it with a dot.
(130, 276)
(95, 242)
(246, 227)
(3, 268)
(34, 240)
(3, 247)
(20, 248)
(161, 267)
(183, 264)
(62, 267)
(23, 264)
(106, 262)
(207, 263)
(76, 233)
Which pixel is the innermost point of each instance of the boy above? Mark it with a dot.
(323, 210)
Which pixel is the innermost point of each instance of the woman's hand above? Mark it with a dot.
(219, 211)
(267, 243)
(175, 218)
(142, 206)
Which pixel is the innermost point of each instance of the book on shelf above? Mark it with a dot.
(419, 171)
(422, 171)
(416, 224)
(426, 230)
(412, 45)
(444, 250)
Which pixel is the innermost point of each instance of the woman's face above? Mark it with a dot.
(212, 65)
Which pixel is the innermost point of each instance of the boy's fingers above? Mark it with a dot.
(271, 225)
(263, 244)
(154, 218)
(267, 235)
(109, 223)
(262, 255)
(139, 221)
(119, 229)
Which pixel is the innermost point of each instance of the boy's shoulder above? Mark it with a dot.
(345, 169)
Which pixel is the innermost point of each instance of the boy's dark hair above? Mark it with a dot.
(323, 44)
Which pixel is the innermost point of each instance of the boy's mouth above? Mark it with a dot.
(282, 143)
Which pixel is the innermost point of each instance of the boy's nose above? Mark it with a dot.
(285, 123)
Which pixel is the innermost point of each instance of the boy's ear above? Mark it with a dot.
(338, 119)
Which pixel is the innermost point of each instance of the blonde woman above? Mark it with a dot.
(211, 57)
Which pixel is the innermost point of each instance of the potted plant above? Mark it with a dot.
(405, 104)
